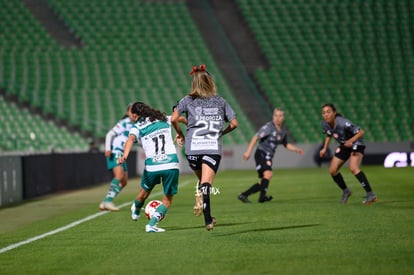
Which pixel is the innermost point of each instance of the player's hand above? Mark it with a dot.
(121, 160)
(179, 139)
(322, 152)
(107, 153)
(246, 156)
(348, 143)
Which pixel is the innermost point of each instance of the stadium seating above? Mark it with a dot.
(358, 55)
(23, 131)
(128, 55)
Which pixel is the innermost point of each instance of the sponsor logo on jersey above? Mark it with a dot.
(210, 111)
(208, 159)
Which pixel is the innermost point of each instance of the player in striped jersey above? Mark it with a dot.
(114, 148)
(351, 146)
(153, 130)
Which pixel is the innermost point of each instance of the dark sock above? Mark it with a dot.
(205, 189)
(364, 181)
(263, 184)
(253, 189)
(340, 181)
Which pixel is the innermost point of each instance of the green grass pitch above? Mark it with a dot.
(303, 230)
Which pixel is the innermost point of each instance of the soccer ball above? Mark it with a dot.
(151, 207)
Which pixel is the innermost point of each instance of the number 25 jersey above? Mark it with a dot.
(205, 120)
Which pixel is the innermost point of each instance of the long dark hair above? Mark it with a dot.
(145, 111)
(332, 107)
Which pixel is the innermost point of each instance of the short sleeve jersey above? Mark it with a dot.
(205, 120)
(157, 142)
(270, 137)
(121, 130)
(344, 130)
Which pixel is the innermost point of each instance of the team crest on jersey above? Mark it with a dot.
(269, 163)
(278, 137)
(335, 135)
(199, 110)
(338, 150)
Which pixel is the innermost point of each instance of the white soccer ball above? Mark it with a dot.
(151, 207)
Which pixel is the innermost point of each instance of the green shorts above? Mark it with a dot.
(169, 179)
(112, 162)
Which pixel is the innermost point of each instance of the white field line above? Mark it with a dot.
(73, 224)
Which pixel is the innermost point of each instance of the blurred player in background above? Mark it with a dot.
(114, 148)
(269, 136)
(351, 146)
(153, 130)
(206, 113)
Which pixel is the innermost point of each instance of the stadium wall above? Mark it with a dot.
(30, 176)
(375, 154)
(11, 184)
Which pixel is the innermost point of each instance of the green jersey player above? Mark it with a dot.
(153, 130)
(114, 148)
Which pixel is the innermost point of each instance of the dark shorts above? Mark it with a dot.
(344, 153)
(195, 161)
(263, 162)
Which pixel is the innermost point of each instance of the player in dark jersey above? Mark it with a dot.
(269, 136)
(351, 146)
(206, 114)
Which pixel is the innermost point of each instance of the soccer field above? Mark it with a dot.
(303, 230)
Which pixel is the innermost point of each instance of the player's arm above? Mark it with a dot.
(175, 120)
(325, 146)
(230, 127)
(349, 142)
(108, 142)
(250, 147)
(294, 148)
(127, 148)
(182, 120)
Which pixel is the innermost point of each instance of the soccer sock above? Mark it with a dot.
(253, 189)
(114, 190)
(263, 184)
(340, 181)
(205, 189)
(158, 215)
(138, 206)
(364, 181)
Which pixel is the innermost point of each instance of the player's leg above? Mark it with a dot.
(147, 184)
(256, 187)
(114, 189)
(336, 163)
(264, 184)
(354, 164)
(170, 186)
(209, 168)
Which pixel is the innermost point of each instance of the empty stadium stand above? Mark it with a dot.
(356, 54)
